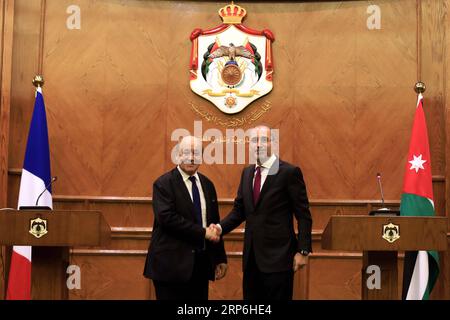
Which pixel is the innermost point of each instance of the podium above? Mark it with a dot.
(380, 238)
(51, 234)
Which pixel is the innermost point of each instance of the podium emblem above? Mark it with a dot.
(38, 227)
(391, 232)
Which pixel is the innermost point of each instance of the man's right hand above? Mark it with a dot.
(212, 233)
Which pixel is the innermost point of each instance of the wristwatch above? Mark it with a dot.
(304, 252)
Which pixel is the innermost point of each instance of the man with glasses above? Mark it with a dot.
(184, 253)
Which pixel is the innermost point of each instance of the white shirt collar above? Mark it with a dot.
(185, 176)
(269, 162)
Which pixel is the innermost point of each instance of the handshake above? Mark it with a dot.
(213, 233)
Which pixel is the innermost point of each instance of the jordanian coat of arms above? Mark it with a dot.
(231, 65)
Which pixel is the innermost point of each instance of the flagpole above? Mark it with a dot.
(420, 268)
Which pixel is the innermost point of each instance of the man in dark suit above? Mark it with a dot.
(269, 194)
(184, 254)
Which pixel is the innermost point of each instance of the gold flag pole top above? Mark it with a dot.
(38, 81)
(420, 87)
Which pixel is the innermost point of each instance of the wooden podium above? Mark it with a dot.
(51, 234)
(365, 233)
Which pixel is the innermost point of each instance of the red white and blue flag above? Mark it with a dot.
(35, 177)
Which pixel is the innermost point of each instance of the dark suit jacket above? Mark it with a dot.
(269, 227)
(176, 236)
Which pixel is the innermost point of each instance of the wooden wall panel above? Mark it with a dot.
(442, 288)
(446, 261)
(318, 281)
(133, 86)
(343, 281)
(25, 67)
(6, 56)
(126, 215)
(230, 287)
(131, 221)
(116, 276)
(433, 74)
(117, 78)
(138, 212)
(97, 283)
(6, 53)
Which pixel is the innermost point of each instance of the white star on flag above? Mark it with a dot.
(417, 163)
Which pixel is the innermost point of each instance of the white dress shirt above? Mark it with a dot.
(188, 184)
(264, 169)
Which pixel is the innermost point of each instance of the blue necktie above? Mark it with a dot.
(196, 201)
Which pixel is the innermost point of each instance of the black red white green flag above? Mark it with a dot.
(421, 268)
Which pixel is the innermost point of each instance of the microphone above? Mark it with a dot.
(46, 188)
(383, 211)
(381, 189)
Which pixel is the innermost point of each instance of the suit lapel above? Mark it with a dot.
(183, 191)
(248, 186)
(271, 177)
(207, 195)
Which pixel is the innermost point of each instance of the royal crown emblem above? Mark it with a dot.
(231, 64)
(232, 14)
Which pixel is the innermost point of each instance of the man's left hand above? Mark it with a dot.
(300, 261)
(221, 270)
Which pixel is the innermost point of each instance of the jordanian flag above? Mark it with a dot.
(421, 268)
(35, 177)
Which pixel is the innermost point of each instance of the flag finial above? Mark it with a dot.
(420, 87)
(38, 81)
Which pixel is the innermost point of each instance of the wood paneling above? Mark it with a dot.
(132, 218)
(24, 68)
(6, 53)
(133, 86)
(111, 277)
(318, 280)
(343, 281)
(6, 56)
(445, 264)
(137, 211)
(120, 80)
(91, 260)
(433, 74)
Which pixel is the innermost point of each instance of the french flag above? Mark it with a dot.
(35, 177)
